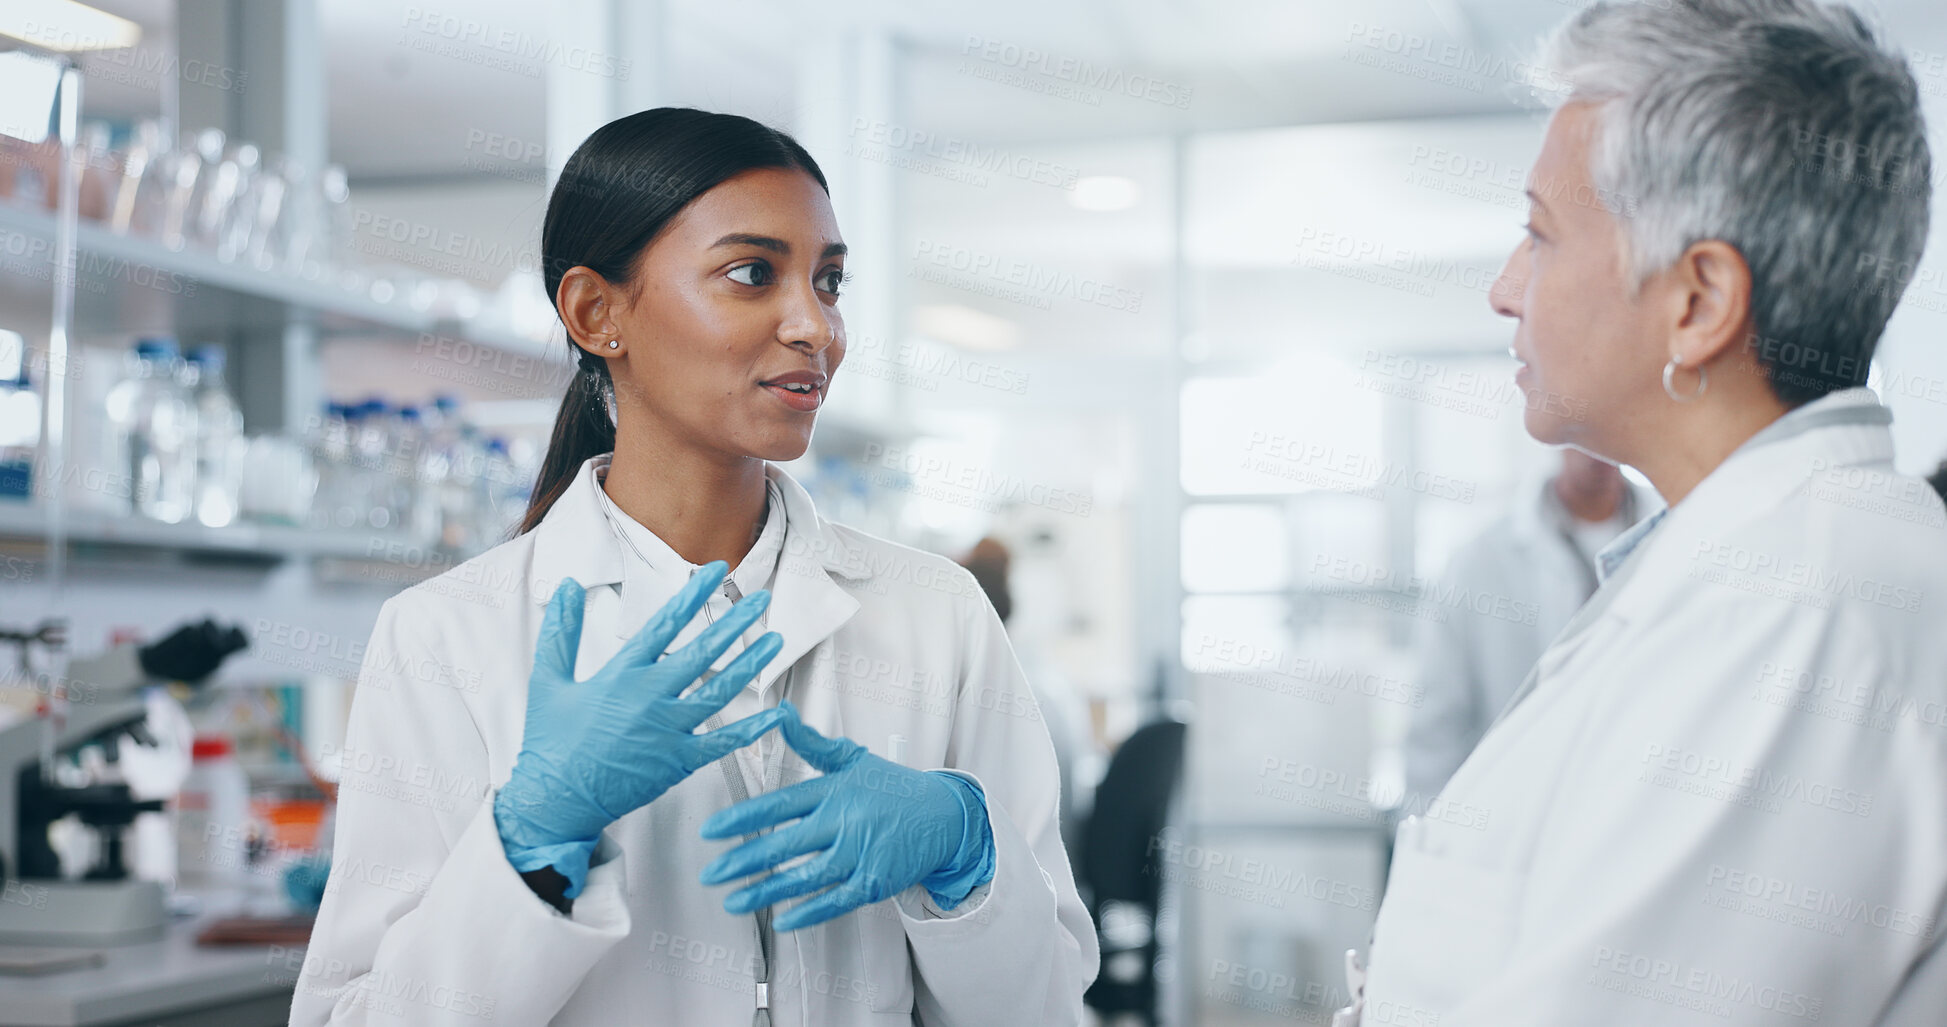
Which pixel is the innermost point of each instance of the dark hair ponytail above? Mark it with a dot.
(617, 192)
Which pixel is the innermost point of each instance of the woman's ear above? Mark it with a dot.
(587, 303)
(1715, 283)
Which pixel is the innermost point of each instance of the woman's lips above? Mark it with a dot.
(803, 402)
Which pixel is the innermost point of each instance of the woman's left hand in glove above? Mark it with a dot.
(871, 827)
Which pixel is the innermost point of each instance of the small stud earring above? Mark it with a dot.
(614, 343)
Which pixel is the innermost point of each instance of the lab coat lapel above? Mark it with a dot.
(1588, 614)
(807, 605)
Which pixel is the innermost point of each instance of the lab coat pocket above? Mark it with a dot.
(1445, 927)
(888, 964)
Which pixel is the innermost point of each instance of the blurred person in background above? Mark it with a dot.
(1540, 556)
(1721, 796)
(1938, 479)
(1060, 708)
(532, 828)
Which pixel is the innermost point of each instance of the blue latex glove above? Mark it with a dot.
(878, 828)
(305, 882)
(594, 750)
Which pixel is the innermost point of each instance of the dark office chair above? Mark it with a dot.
(1123, 878)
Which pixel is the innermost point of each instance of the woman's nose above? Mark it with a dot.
(1504, 296)
(808, 323)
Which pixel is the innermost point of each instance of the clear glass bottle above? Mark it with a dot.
(154, 427)
(371, 444)
(446, 469)
(219, 440)
(331, 445)
(424, 468)
(141, 195)
(500, 485)
(190, 176)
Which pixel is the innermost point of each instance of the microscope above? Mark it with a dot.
(97, 702)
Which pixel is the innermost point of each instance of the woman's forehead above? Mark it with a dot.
(783, 204)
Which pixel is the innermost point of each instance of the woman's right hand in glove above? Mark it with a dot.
(597, 749)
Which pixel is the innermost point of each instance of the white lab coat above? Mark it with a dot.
(1723, 799)
(425, 921)
(1533, 578)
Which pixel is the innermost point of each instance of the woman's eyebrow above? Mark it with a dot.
(775, 245)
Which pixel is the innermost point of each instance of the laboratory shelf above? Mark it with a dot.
(93, 532)
(149, 286)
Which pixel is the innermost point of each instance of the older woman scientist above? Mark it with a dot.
(547, 853)
(1721, 795)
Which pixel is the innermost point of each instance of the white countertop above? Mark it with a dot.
(150, 979)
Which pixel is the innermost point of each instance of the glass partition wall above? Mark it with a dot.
(1231, 398)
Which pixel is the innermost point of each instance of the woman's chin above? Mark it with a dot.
(1544, 425)
(784, 447)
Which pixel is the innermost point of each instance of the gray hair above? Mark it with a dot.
(1781, 127)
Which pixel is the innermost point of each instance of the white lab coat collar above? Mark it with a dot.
(1612, 555)
(807, 604)
(1840, 429)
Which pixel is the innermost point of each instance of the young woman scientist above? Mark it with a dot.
(539, 814)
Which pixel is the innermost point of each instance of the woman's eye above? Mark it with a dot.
(751, 274)
(833, 280)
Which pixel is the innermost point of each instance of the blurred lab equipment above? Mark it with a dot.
(171, 445)
(20, 418)
(192, 652)
(153, 431)
(64, 755)
(139, 195)
(187, 183)
(421, 470)
(278, 480)
(207, 192)
(219, 440)
(211, 810)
